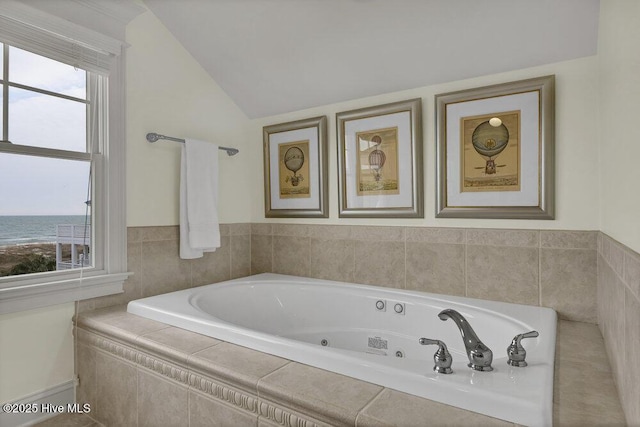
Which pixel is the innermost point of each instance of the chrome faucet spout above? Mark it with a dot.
(480, 356)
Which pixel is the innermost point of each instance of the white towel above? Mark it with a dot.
(199, 228)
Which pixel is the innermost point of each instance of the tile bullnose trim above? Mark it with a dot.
(624, 261)
(569, 239)
(291, 230)
(163, 368)
(114, 348)
(114, 333)
(223, 393)
(506, 237)
(172, 355)
(330, 232)
(386, 233)
(155, 233)
(261, 229)
(238, 228)
(283, 417)
(436, 235)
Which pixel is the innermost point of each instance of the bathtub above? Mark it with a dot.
(371, 333)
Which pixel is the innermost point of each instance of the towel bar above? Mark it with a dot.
(153, 137)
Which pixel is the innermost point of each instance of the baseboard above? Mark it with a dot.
(61, 394)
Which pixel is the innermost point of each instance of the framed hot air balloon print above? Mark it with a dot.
(495, 149)
(295, 169)
(380, 161)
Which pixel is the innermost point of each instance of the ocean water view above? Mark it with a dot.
(17, 230)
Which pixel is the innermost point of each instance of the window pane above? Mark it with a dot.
(40, 120)
(1, 92)
(37, 71)
(42, 214)
(1, 116)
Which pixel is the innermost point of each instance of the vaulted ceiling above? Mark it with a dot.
(276, 56)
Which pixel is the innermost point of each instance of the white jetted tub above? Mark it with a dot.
(339, 327)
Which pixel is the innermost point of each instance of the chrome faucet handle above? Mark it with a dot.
(516, 351)
(442, 357)
(480, 356)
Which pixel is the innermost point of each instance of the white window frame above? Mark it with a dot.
(30, 291)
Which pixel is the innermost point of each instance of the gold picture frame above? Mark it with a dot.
(495, 150)
(295, 169)
(380, 161)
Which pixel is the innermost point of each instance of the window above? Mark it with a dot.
(45, 183)
(61, 162)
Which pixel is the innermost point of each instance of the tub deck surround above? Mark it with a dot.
(336, 326)
(192, 378)
(584, 389)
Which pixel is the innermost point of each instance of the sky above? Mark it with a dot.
(41, 186)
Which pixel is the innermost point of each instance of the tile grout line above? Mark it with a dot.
(261, 379)
(272, 250)
(466, 269)
(367, 405)
(143, 272)
(137, 392)
(404, 232)
(250, 249)
(539, 268)
(95, 383)
(353, 255)
(188, 395)
(351, 237)
(231, 240)
(309, 254)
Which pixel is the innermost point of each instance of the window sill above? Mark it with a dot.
(27, 297)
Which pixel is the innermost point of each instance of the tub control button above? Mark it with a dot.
(399, 308)
(380, 305)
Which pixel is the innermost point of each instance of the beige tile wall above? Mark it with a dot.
(550, 268)
(619, 319)
(585, 275)
(153, 258)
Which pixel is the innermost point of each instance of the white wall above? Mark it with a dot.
(619, 142)
(169, 93)
(36, 350)
(576, 149)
